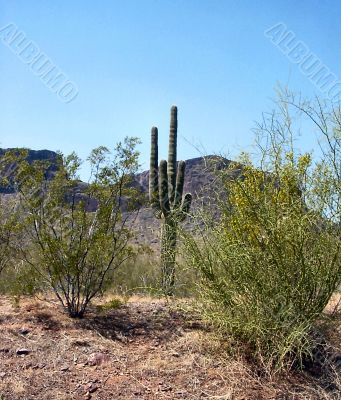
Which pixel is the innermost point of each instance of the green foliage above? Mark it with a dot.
(272, 262)
(76, 234)
(166, 183)
(9, 218)
(21, 279)
(141, 275)
(8, 232)
(113, 304)
(10, 222)
(138, 275)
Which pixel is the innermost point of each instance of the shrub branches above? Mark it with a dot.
(76, 234)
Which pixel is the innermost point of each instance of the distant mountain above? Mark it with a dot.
(198, 177)
(198, 171)
(200, 180)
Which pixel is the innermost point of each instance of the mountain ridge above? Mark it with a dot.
(198, 170)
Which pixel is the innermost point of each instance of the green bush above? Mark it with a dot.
(141, 275)
(9, 219)
(21, 279)
(272, 262)
(75, 235)
(113, 304)
(270, 266)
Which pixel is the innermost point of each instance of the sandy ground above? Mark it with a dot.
(144, 349)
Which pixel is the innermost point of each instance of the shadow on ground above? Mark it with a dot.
(143, 321)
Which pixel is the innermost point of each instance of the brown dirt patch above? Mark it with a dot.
(144, 350)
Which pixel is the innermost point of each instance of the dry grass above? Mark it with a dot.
(144, 349)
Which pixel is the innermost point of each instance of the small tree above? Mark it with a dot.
(77, 234)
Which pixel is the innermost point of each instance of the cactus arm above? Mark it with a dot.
(153, 171)
(185, 206)
(163, 189)
(179, 188)
(172, 153)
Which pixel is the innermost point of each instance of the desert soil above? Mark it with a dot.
(144, 349)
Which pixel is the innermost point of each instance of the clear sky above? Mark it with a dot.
(132, 59)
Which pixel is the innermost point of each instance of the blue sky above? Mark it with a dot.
(131, 60)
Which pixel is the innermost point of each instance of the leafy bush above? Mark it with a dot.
(113, 304)
(272, 262)
(141, 275)
(9, 221)
(76, 234)
(8, 232)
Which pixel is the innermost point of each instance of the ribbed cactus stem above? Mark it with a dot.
(168, 246)
(153, 171)
(180, 180)
(163, 189)
(185, 206)
(173, 131)
(166, 185)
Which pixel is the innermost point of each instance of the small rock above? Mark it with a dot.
(97, 359)
(23, 352)
(93, 388)
(24, 331)
(90, 387)
(81, 343)
(175, 354)
(166, 388)
(2, 375)
(4, 350)
(87, 396)
(64, 368)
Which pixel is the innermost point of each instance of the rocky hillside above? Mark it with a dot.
(199, 174)
(200, 180)
(198, 170)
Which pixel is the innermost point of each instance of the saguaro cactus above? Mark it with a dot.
(166, 184)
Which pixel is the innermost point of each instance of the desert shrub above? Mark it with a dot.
(141, 275)
(9, 222)
(112, 304)
(8, 233)
(21, 279)
(76, 234)
(138, 275)
(271, 263)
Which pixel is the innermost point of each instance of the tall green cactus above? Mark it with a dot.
(166, 184)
